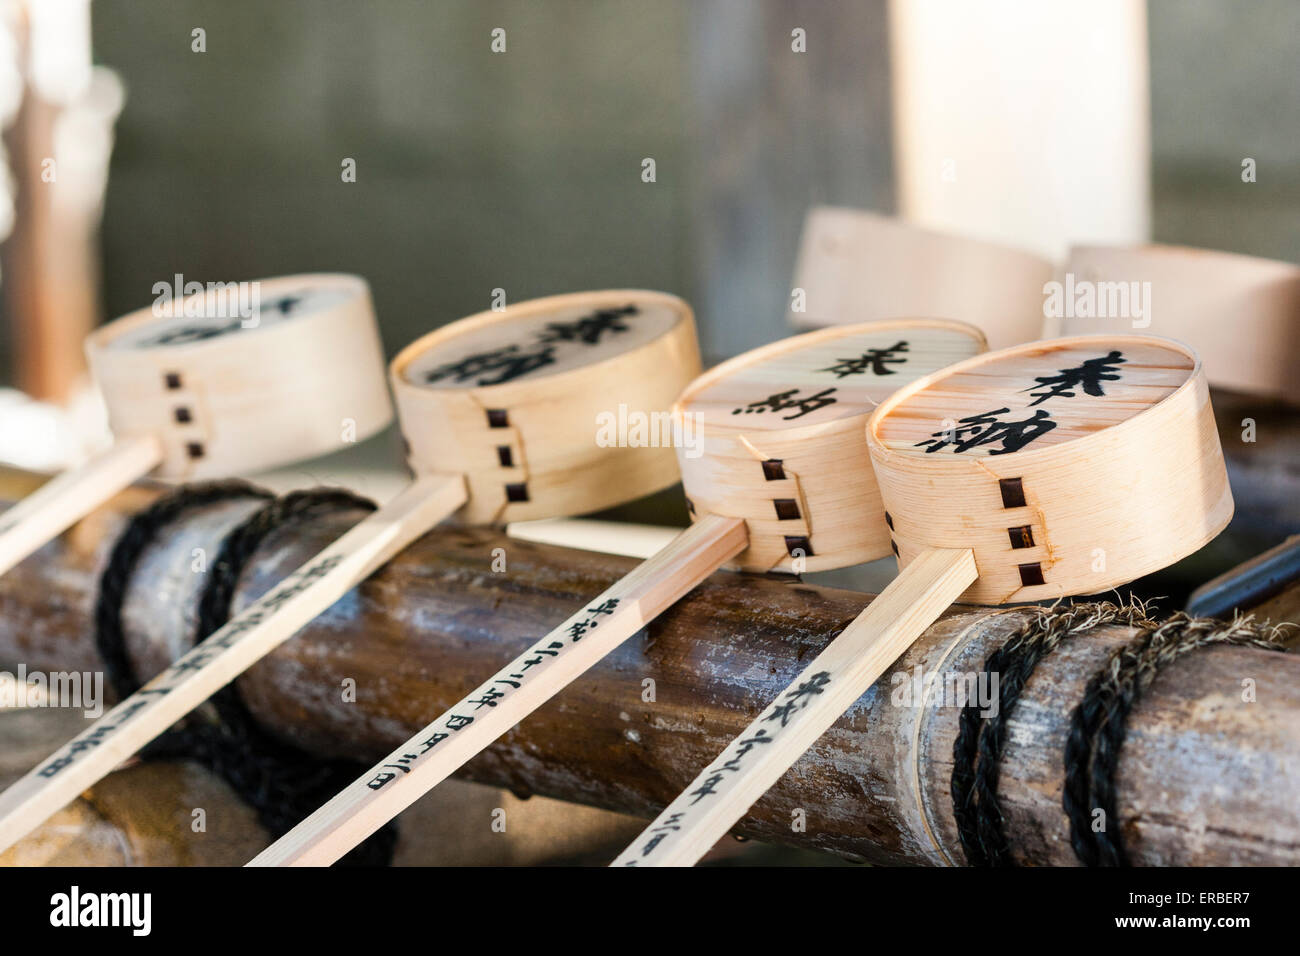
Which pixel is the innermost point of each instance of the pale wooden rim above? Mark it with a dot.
(1183, 252)
(488, 317)
(106, 334)
(879, 449)
(790, 342)
(901, 224)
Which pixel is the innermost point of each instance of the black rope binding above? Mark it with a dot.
(1098, 724)
(1097, 730)
(141, 529)
(282, 783)
(977, 751)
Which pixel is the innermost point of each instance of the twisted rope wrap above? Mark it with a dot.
(1097, 727)
(282, 783)
(130, 545)
(1098, 724)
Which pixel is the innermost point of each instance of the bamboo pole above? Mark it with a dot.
(420, 634)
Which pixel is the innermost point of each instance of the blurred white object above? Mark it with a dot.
(60, 65)
(11, 98)
(83, 145)
(40, 436)
(1025, 123)
(59, 111)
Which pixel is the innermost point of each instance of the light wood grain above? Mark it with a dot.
(857, 266)
(1241, 313)
(67, 498)
(192, 393)
(1129, 405)
(805, 710)
(212, 664)
(873, 359)
(297, 385)
(1143, 373)
(551, 413)
(1136, 482)
(508, 696)
(439, 489)
(826, 481)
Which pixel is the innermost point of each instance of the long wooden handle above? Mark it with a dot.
(244, 640)
(585, 534)
(509, 696)
(690, 825)
(67, 498)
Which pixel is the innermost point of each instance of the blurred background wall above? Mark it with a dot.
(478, 170)
(1225, 85)
(523, 170)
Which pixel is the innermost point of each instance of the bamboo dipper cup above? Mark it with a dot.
(497, 410)
(782, 479)
(1239, 312)
(222, 382)
(1050, 469)
(858, 266)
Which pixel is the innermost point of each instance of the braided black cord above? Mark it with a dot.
(1098, 725)
(1053, 629)
(280, 782)
(1078, 754)
(1091, 712)
(962, 787)
(1014, 665)
(977, 750)
(1101, 773)
(140, 530)
(1113, 697)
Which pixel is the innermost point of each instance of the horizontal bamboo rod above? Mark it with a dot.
(1204, 777)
